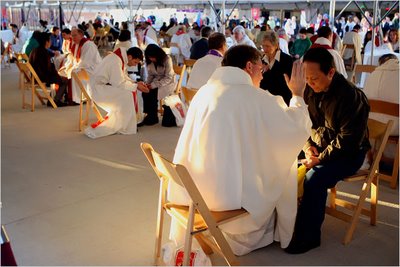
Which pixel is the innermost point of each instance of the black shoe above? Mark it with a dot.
(149, 122)
(301, 246)
(140, 124)
(49, 104)
(61, 104)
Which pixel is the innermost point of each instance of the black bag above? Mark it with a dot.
(168, 119)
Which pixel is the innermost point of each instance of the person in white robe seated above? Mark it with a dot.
(116, 93)
(324, 40)
(240, 145)
(124, 40)
(205, 66)
(142, 40)
(84, 55)
(383, 84)
(241, 37)
(180, 45)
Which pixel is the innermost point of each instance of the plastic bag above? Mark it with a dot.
(173, 256)
(177, 107)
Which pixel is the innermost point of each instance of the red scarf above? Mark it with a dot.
(78, 54)
(179, 32)
(321, 45)
(118, 52)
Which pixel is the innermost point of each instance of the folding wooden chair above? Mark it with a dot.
(179, 70)
(188, 93)
(29, 80)
(359, 69)
(5, 57)
(392, 109)
(380, 133)
(22, 79)
(196, 217)
(175, 58)
(349, 63)
(85, 98)
(188, 63)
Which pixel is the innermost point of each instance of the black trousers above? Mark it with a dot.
(150, 104)
(311, 212)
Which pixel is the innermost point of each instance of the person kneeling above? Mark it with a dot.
(113, 91)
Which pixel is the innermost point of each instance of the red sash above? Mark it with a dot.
(78, 54)
(134, 93)
(321, 45)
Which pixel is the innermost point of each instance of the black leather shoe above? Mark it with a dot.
(140, 124)
(147, 121)
(301, 246)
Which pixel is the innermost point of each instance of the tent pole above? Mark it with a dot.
(332, 6)
(373, 31)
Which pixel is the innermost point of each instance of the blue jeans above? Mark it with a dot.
(311, 211)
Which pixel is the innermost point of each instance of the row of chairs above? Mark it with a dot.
(29, 80)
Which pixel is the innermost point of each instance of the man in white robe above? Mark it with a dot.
(353, 37)
(85, 55)
(115, 92)
(205, 66)
(142, 40)
(241, 37)
(240, 145)
(324, 40)
(149, 31)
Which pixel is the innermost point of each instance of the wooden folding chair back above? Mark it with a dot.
(359, 69)
(196, 217)
(85, 98)
(188, 63)
(179, 70)
(175, 58)
(350, 63)
(5, 57)
(31, 81)
(392, 109)
(188, 93)
(379, 132)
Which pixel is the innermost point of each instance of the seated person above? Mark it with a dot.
(115, 92)
(277, 64)
(226, 115)
(383, 84)
(124, 40)
(41, 63)
(205, 66)
(300, 45)
(31, 43)
(200, 48)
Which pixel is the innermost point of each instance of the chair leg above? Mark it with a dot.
(33, 92)
(160, 227)
(374, 199)
(356, 214)
(395, 172)
(189, 237)
(80, 115)
(332, 197)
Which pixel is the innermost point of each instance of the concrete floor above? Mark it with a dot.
(70, 200)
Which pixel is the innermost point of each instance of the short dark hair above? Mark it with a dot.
(386, 57)
(357, 27)
(124, 35)
(303, 31)
(324, 31)
(44, 37)
(54, 29)
(66, 31)
(135, 52)
(205, 31)
(239, 55)
(311, 30)
(153, 50)
(322, 57)
(36, 35)
(216, 41)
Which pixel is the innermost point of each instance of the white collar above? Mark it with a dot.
(231, 75)
(323, 41)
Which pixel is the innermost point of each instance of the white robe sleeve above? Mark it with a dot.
(90, 57)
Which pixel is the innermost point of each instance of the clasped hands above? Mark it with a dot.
(145, 88)
(311, 159)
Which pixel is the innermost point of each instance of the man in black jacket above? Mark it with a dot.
(200, 48)
(337, 146)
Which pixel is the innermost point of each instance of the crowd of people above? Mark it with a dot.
(264, 95)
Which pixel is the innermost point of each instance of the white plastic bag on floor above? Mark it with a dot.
(173, 256)
(177, 107)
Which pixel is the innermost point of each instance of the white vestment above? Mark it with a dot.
(339, 63)
(240, 145)
(246, 41)
(283, 45)
(383, 84)
(112, 90)
(355, 39)
(89, 59)
(202, 70)
(151, 33)
(183, 51)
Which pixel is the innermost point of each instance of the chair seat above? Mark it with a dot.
(182, 212)
(359, 175)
